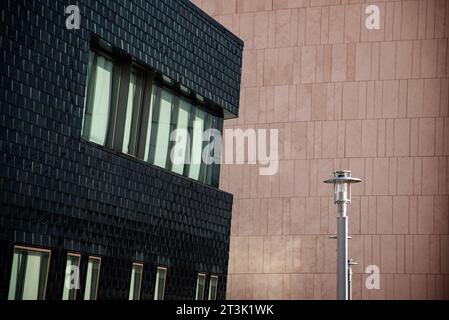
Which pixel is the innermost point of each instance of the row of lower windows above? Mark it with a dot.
(201, 286)
(30, 267)
(126, 111)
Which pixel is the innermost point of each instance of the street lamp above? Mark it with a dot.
(342, 181)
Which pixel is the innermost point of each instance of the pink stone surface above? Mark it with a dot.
(372, 101)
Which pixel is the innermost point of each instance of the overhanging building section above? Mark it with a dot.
(64, 195)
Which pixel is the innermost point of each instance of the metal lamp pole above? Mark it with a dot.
(342, 181)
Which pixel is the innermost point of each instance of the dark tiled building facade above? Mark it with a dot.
(64, 194)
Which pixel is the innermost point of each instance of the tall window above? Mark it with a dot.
(179, 151)
(136, 281)
(161, 124)
(29, 274)
(71, 282)
(128, 110)
(200, 286)
(92, 277)
(197, 144)
(159, 288)
(98, 99)
(132, 112)
(213, 286)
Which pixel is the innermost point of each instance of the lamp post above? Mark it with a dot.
(342, 181)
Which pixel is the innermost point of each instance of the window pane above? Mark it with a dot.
(93, 273)
(136, 279)
(28, 275)
(209, 152)
(197, 144)
(213, 288)
(71, 277)
(181, 138)
(132, 112)
(160, 284)
(205, 148)
(129, 112)
(97, 107)
(215, 174)
(150, 123)
(200, 282)
(31, 283)
(163, 129)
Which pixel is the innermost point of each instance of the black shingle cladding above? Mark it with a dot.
(59, 192)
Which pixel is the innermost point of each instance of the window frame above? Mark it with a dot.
(98, 51)
(32, 249)
(214, 276)
(72, 254)
(98, 278)
(141, 265)
(157, 282)
(204, 275)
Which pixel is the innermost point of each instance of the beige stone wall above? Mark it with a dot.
(342, 96)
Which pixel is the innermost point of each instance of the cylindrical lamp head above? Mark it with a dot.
(342, 181)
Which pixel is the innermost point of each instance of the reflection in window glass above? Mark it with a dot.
(215, 178)
(71, 277)
(163, 130)
(28, 274)
(181, 142)
(200, 284)
(206, 148)
(150, 123)
(159, 288)
(98, 100)
(136, 280)
(213, 285)
(197, 144)
(129, 112)
(92, 277)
